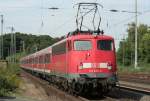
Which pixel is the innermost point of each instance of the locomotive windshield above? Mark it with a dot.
(82, 45)
(105, 45)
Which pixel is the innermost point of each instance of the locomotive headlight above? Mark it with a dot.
(103, 65)
(81, 66)
(109, 67)
(85, 65)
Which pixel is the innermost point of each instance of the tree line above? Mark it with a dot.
(125, 53)
(27, 42)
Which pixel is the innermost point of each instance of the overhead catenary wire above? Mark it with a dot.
(114, 25)
(42, 22)
(127, 19)
(62, 25)
(1, 37)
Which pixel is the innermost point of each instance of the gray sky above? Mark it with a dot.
(27, 16)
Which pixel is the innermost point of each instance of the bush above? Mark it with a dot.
(9, 80)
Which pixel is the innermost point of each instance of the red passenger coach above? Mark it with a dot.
(81, 62)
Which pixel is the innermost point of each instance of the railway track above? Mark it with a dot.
(121, 93)
(135, 82)
(142, 90)
(138, 78)
(58, 95)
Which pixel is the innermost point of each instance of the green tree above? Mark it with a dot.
(32, 42)
(125, 53)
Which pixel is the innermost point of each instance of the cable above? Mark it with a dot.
(62, 25)
(125, 20)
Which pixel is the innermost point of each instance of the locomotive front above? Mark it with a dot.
(93, 61)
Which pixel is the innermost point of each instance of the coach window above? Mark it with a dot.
(27, 61)
(33, 60)
(106, 45)
(36, 59)
(30, 60)
(47, 58)
(40, 59)
(59, 49)
(82, 45)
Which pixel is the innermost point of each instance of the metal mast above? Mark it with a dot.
(136, 55)
(1, 38)
(12, 48)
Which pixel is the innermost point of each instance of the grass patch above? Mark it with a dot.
(9, 80)
(145, 68)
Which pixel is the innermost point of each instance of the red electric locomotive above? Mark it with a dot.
(81, 62)
(85, 61)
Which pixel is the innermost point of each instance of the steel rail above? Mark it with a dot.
(134, 89)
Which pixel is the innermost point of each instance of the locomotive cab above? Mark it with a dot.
(93, 60)
(94, 55)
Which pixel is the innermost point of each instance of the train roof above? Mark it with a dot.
(74, 36)
(45, 50)
(82, 36)
(88, 34)
(38, 53)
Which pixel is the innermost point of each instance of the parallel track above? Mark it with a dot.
(135, 89)
(137, 82)
(138, 78)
